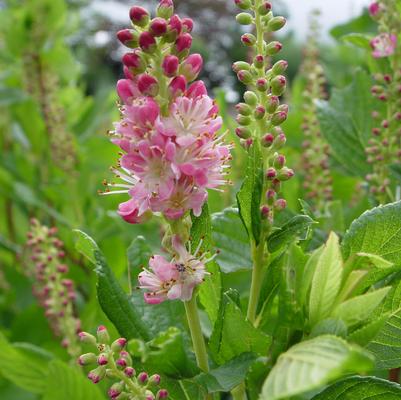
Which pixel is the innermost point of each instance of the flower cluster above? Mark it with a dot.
(54, 291)
(315, 157)
(168, 131)
(383, 148)
(114, 362)
(175, 279)
(261, 114)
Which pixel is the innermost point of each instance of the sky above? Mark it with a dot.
(333, 12)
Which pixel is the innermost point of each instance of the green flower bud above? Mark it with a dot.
(243, 120)
(241, 65)
(259, 61)
(243, 109)
(102, 334)
(250, 98)
(259, 112)
(278, 118)
(265, 8)
(285, 174)
(279, 67)
(243, 4)
(262, 84)
(273, 48)
(243, 132)
(87, 359)
(244, 19)
(245, 77)
(272, 103)
(278, 85)
(276, 23)
(248, 39)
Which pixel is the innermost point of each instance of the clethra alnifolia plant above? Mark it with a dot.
(54, 291)
(383, 151)
(317, 181)
(111, 362)
(259, 119)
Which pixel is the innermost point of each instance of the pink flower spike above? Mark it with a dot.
(191, 67)
(170, 65)
(383, 45)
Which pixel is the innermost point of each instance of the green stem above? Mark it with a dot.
(258, 255)
(239, 393)
(196, 333)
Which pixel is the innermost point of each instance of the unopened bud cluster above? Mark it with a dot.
(383, 148)
(261, 113)
(110, 360)
(317, 181)
(53, 289)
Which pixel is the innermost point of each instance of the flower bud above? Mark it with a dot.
(115, 390)
(187, 25)
(280, 204)
(245, 77)
(87, 359)
(148, 85)
(267, 140)
(154, 380)
(85, 337)
(158, 26)
(241, 65)
(139, 16)
(102, 334)
(174, 28)
(272, 103)
(118, 344)
(270, 196)
(265, 8)
(143, 377)
(273, 48)
(177, 86)
(124, 355)
(279, 161)
(248, 39)
(102, 359)
(244, 18)
(128, 37)
(279, 67)
(97, 374)
(279, 141)
(162, 394)
(243, 132)
(243, 4)
(147, 42)
(250, 98)
(262, 84)
(278, 85)
(129, 371)
(243, 109)
(246, 143)
(375, 10)
(259, 112)
(264, 211)
(276, 23)
(278, 118)
(259, 61)
(243, 120)
(170, 65)
(165, 9)
(183, 44)
(134, 61)
(191, 67)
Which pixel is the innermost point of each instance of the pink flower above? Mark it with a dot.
(374, 9)
(383, 45)
(176, 279)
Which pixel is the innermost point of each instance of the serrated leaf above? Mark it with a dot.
(361, 387)
(326, 281)
(138, 254)
(329, 326)
(311, 364)
(210, 292)
(296, 228)
(112, 298)
(358, 39)
(233, 334)
(365, 334)
(231, 239)
(359, 308)
(65, 383)
(249, 196)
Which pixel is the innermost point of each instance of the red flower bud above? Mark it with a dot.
(183, 43)
(278, 85)
(245, 77)
(129, 371)
(143, 377)
(139, 16)
(170, 65)
(187, 25)
(162, 394)
(248, 39)
(273, 48)
(148, 85)
(174, 28)
(191, 67)
(147, 42)
(102, 359)
(178, 86)
(134, 61)
(272, 104)
(128, 37)
(267, 140)
(261, 84)
(102, 334)
(265, 8)
(271, 173)
(158, 27)
(259, 61)
(280, 204)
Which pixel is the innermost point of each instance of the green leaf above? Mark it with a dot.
(311, 364)
(67, 383)
(364, 335)
(378, 232)
(227, 376)
(329, 326)
(363, 23)
(233, 334)
(326, 281)
(112, 298)
(138, 254)
(295, 229)
(201, 230)
(249, 196)
(361, 387)
(231, 239)
(358, 39)
(345, 126)
(24, 370)
(359, 308)
(210, 292)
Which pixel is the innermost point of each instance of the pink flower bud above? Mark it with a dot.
(264, 211)
(134, 61)
(259, 61)
(162, 394)
(285, 174)
(383, 45)
(280, 204)
(267, 140)
(178, 86)
(261, 84)
(148, 85)
(265, 8)
(245, 77)
(279, 141)
(243, 109)
(85, 337)
(165, 9)
(174, 28)
(374, 10)
(270, 196)
(276, 23)
(183, 43)
(279, 162)
(271, 173)
(154, 379)
(187, 25)
(129, 371)
(147, 42)
(115, 390)
(158, 27)
(128, 37)
(273, 48)
(259, 112)
(243, 132)
(278, 85)
(191, 67)
(278, 118)
(241, 65)
(62, 268)
(143, 377)
(118, 344)
(102, 334)
(196, 89)
(272, 104)
(280, 67)
(121, 362)
(170, 65)
(125, 90)
(248, 39)
(102, 359)
(139, 16)
(97, 374)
